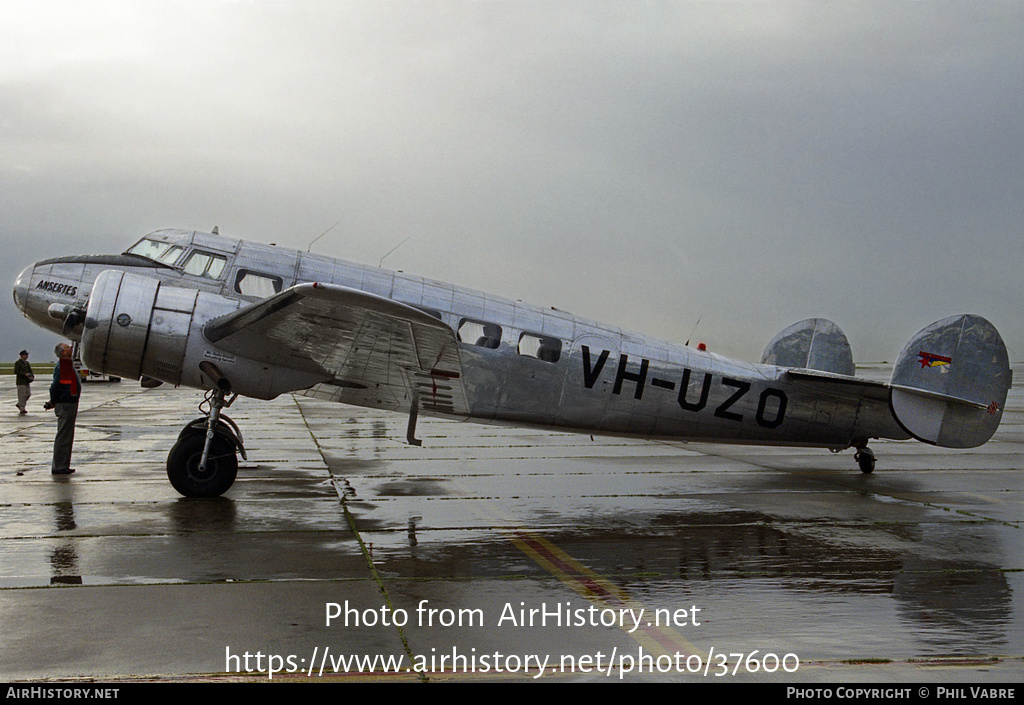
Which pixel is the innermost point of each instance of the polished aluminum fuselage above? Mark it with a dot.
(605, 380)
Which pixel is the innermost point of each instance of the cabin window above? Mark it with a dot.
(255, 284)
(540, 347)
(205, 264)
(484, 335)
(163, 252)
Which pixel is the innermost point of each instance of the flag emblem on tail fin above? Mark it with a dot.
(933, 360)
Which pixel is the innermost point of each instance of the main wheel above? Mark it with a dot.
(183, 466)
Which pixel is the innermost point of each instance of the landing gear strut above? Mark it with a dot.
(865, 460)
(203, 462)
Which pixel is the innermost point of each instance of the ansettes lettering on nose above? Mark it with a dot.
(57, 287)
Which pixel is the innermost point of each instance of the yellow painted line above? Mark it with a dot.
(659, 640)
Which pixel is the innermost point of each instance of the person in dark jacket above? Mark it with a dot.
(23, 378)
(64, 393)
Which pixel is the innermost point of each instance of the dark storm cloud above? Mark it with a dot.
(649, 164)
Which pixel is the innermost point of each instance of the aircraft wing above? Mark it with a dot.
(368, 346)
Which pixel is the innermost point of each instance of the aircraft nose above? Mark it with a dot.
(21, 288)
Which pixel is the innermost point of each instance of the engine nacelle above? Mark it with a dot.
(139, 326)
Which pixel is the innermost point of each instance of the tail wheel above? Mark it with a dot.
(183, 466)
(865, 460)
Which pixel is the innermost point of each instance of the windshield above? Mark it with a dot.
(164, 252)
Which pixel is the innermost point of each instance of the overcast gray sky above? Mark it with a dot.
(748, 164)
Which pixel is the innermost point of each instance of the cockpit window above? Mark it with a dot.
(205, 264)
(164, 252)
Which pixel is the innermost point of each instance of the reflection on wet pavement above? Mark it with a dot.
(780, 550)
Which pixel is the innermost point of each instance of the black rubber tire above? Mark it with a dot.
(183, 466)
(866, 462)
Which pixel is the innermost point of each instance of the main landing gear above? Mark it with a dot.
(203, 463)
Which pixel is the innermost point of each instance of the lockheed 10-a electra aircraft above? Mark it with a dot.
(241, 318)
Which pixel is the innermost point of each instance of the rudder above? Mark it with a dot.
(949, 384)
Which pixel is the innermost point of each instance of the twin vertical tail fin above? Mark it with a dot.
(949, 384)
(815, 344)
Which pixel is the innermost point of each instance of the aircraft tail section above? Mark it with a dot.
(814, 344)
(949, 384)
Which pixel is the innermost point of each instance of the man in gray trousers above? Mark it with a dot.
(64, 394)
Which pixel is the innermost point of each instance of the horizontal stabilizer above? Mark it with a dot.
(814, 344)
(949, 384)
